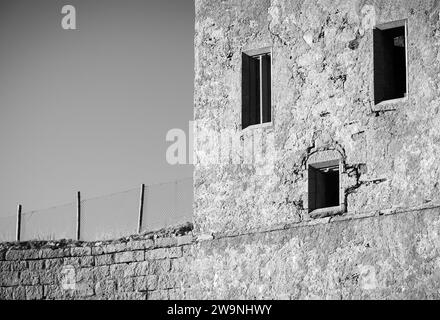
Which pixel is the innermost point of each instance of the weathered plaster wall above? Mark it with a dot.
(393, 256)
(323, 99)
(322, 94)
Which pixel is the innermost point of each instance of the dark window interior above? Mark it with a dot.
(256, 89)
(323, 187)
(389, 64)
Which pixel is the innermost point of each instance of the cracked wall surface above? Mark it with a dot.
(322, 86)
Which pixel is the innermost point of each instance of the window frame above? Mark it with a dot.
(254, 53)
(327, 211)
(383, 27)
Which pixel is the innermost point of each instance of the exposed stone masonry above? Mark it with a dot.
(323, 99)
(125, 269)
(254, 237)
(379, 255)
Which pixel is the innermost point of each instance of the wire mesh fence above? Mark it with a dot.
(7, 228)
(168, 204)
(50, 224)
(108, 217)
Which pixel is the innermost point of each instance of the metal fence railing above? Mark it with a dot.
(122, 214)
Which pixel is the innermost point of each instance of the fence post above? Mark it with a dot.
(176, 189)
(141, 208)
(18, 227)
(78, 216)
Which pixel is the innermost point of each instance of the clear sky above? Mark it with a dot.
(89, 109)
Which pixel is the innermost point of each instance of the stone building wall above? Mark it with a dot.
(322, 80)
(387, 255)
(254, 237)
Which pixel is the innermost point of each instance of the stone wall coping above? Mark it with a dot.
(77, 249)
(171, 237)
(350, 216)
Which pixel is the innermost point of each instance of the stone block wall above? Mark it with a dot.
(121, 270)
(323, 99)
(382, 255)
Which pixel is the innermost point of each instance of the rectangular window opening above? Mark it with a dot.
(256, 89)
(390, 61)
(324, 186)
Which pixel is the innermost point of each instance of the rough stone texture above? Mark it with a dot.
(392, 255)
(254, 238)
(322, 100)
